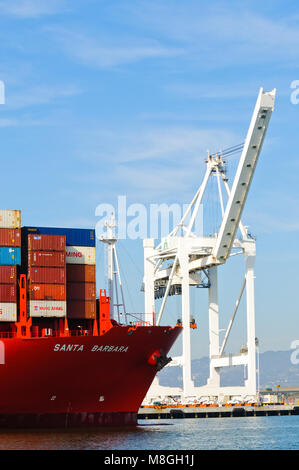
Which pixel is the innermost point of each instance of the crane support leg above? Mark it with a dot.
(251, 374)
(214, 378)
(188, 385)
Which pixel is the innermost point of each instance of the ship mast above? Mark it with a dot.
(115, 289)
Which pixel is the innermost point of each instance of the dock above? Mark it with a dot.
(217, 412)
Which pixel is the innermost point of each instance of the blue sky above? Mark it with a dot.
(108, 98)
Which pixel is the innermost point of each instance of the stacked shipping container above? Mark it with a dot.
(46, 272)
(10, 257)
(81, 288)
(80, 269)
(81, 281)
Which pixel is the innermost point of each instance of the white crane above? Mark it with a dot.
(191, 256)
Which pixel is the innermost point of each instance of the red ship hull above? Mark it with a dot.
(79, 381)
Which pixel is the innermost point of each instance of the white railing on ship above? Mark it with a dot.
(138, 319)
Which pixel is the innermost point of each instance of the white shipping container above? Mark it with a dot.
(47, 308)
(10, 219)
(80, 255)
(8, 311)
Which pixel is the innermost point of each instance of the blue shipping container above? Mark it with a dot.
(74, 236)
(10, 256)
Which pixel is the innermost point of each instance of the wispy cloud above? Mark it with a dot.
(31, 8)
(39, 95)
(6, 122)
(278, 209)
(104, 51)
(156, 183)
(216, 91)
(216, 36)
(269, 223)
(159, 162)
(168, 144)
(28, 121)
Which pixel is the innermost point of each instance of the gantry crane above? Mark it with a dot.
(192, 257)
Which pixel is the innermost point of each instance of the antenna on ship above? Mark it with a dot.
(117, 302)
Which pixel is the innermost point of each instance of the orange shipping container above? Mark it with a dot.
(8, 293)
(8, 274)
(10, 237)
(46, 258)
(81, 309)
(46, 242)
(47, 292)
(81, 273)
(41, 275)
(81, 291)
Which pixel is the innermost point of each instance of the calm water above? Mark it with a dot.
(273, 432)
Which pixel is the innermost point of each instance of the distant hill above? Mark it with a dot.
(275, 369)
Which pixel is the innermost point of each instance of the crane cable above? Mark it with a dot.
(229, 151)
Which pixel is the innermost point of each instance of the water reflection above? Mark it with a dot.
(273, 432)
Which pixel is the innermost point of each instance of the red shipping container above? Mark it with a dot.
(40, 275)
(8, 292)
(81, 309)
(81, 291)
(8, 274)
(46, 242)
(10, 237)
(47, 292)
(46, 258)
(80, 273)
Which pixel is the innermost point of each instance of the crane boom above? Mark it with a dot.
(251, 150)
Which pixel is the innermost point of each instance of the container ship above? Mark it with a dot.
(64, 360)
